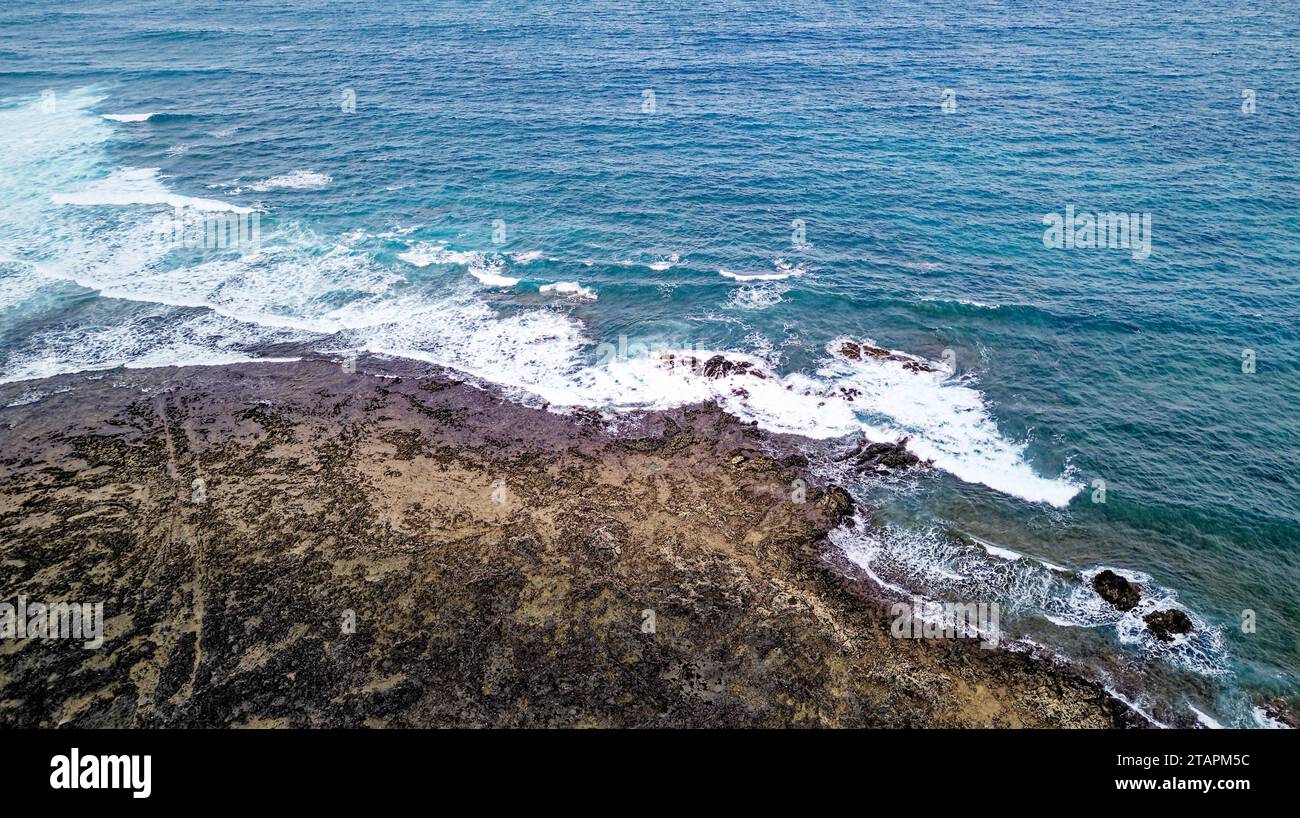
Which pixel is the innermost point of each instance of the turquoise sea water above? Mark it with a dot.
(759, 178)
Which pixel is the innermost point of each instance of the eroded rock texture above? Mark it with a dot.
(504, 565)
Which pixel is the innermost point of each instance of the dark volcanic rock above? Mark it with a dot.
(881, 457)
(1116, 590)
(855, 351)
(717, 367)
(720, 367)
(1163, 625)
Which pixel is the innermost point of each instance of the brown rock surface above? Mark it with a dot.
(505, 565)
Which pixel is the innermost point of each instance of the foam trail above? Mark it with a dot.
(485, 269)
(297, 180)
(755, 276)
(787, 270)
(138, 186)
(145, 117)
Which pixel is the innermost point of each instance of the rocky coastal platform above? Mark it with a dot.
(292, 544)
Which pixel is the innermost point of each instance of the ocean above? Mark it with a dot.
(549, 196)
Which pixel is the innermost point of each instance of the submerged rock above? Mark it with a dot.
(1116, 590)
(1163, 625)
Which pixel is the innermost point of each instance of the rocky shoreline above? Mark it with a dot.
(292, 544)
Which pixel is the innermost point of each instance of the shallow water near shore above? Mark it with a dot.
(791, 182)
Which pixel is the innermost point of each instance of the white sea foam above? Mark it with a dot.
(297, 180)
(287, 283)
(757, 297)
(784, 269)
(137, 186)
(152, 338)
(660, 265)
(1205, 719)
(754, 276)
(945, 419)
(1264, 720)
(665, 264)
(20, 285)
(1202, 651)
(487, 269)
(422, 255)
(66, 216)
(570, 288)
(527, 350)
(1002, 553)
(489, 277)
(963, 301)
(99, 235)
(1141, 709)
(145, 117)
(947, 422)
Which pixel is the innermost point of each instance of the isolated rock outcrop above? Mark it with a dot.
(856, 351)
(1164, 625)
(866, 456)
(720, 367)
(1116, 590)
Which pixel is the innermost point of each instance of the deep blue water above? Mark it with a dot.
(922, 230)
